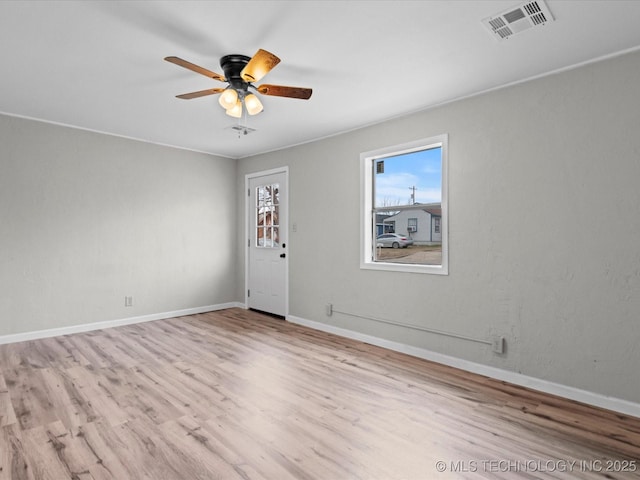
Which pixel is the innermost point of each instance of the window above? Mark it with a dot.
(267, 219)
(389, 226)
(412, 225)
(404, 207)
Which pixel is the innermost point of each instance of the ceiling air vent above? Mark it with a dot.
(518, 19)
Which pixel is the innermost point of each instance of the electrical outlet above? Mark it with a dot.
(329, 310)
(498, 345)
(128, 301)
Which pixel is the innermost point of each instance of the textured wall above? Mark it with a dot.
(544, 230)
(87, 219)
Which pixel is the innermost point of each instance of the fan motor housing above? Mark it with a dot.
(232, 65)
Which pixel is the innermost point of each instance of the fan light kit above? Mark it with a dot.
(240, 72)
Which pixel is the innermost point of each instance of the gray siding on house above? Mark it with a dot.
(427, 226)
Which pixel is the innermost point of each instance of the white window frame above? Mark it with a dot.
(367, 223)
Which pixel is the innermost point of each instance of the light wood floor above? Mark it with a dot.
(238, 395)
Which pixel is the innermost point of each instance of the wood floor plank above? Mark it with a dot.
(239, 395)
(7, 414)
(14, 464)
(214, 455)
(55, 460)
(94, 385)
(29, 398)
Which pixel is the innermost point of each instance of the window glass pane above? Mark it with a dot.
(409, 179)
(259, 196)
(267, 238)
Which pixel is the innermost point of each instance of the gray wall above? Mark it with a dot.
(86, 219)
(544, 248)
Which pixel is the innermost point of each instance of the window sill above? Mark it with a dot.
(403, 267)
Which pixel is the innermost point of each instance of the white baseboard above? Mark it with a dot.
(610, 403)
(86, 327)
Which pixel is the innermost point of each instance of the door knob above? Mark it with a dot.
(283, 255)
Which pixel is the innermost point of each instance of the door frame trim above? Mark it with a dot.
(247, 231)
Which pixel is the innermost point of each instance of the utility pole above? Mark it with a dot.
(413, 194)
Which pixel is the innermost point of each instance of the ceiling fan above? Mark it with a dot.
(240, 72)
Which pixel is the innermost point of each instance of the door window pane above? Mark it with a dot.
(267, 212)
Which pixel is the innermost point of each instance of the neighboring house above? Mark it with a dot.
(423, 225)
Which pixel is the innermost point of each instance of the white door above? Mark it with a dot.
(267, 243)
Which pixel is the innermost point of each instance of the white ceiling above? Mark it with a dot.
(99, 65)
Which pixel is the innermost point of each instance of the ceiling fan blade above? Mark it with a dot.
(259, 65)
(201, 93)
(195, 68)
(282, 91)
